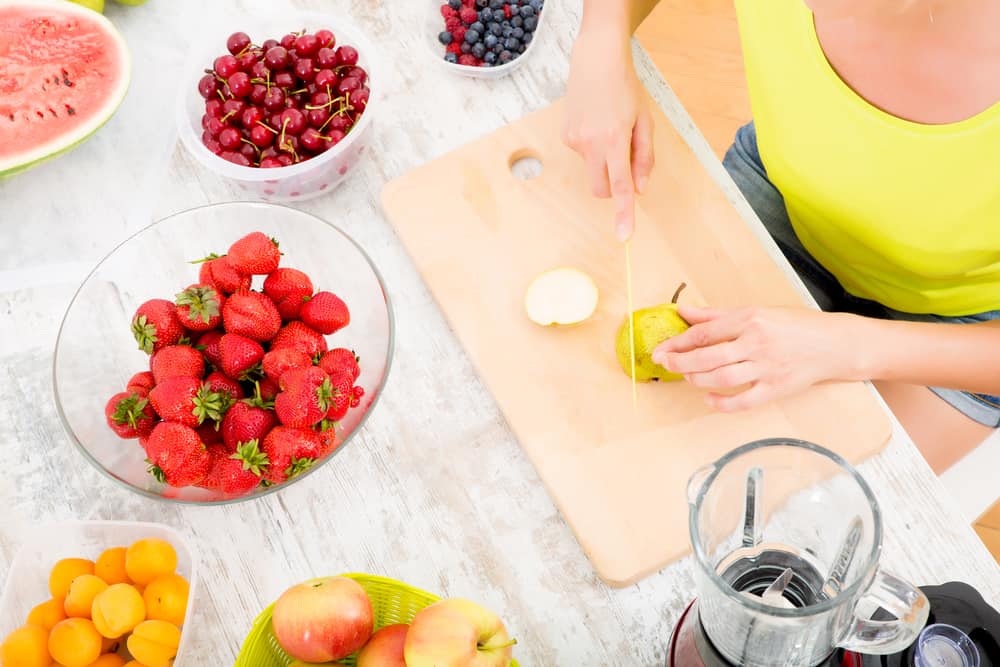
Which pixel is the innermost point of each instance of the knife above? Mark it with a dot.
(631, 322)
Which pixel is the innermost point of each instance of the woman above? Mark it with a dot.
(874, 162)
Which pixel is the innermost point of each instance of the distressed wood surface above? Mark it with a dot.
(435, 490)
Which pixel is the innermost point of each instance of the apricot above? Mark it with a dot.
(47, 614)
(148, 559)
(117, 610)
(110, 566)
(64, 572)
(75, 642)
(108, 644)
(166, 599)
(81, 595)
(26, 647)
(154, 643)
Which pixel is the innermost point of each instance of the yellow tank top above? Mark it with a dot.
(901, 213)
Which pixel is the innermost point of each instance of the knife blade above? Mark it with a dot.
(631, 322)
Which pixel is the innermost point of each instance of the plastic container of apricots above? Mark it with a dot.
(28, 582)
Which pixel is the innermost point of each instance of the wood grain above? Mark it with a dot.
(435, 490)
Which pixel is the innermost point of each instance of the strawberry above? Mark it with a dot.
(239, 356)
(340, 361)
(300, 336)
(248, 419)
(155, 325)
(219, 273)
(276, 362)
(141, 383)
(129, 415)
(304, 398)
(208, 343)
(199, 307)
(177, 455)
(209, 433)
(268, 388)
(325, 312)
(186, 400)
(235, 474)
(251, 314)
(329, 441)
(177, 361)
(341, 395)
(288, 289)
(291, 451)
(254, 254)
(225, 386)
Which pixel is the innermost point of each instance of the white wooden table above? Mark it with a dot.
(435, 491)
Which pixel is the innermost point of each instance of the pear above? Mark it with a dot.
(96, 5)
(561, 297)
(652, 326)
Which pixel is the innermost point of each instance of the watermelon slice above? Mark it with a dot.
(64, 70)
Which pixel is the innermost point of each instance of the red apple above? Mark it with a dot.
(457, 633)
(385, 648)
(323, 619)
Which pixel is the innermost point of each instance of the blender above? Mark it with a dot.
(787, 538)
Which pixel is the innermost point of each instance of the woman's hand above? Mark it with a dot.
(772, 351)
(607, 120)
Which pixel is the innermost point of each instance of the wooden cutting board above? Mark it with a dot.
(478, 235)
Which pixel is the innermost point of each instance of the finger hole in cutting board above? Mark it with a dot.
(525, 164)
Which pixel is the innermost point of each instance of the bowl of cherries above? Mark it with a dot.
(285, 113)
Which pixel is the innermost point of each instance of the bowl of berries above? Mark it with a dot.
(483, 38)
(223, 353)
(282, 107)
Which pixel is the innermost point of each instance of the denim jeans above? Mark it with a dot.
(744, 165)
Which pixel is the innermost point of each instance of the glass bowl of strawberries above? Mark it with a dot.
(283, 106)
(223, 352)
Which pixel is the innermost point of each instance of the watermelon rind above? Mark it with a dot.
(70, 140)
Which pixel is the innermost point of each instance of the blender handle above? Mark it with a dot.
(907, 603)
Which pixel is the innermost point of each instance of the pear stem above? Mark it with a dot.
(677, 294)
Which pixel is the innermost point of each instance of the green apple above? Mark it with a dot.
(457, 633)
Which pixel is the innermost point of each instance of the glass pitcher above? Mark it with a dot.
(787, 538)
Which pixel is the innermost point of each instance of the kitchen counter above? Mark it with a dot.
(435, 490)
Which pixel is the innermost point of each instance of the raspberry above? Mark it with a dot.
(458, 34)
(453, 23)
(447, 12)
(468, 59)
(455, 47)
(468, 15)
(506, 11)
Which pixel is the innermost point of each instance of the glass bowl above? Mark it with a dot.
(297, 182)
(96, 354)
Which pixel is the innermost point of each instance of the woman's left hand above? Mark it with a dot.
(773, 352)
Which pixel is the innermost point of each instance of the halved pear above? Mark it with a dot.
(560, 297)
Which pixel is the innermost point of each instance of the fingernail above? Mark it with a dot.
(622, 231)
(640, 184)
(661, 359)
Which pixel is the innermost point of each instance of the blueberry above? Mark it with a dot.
(511, 43)
(514, 10)
(498, 48)
(498, 15)
(507, 32)
(517, 21)
(528, 37)
(445, 38)
(527, 11)
(518, 33)
(482, 3)
(478, 27)
(505, 56)
(478, 50)
(490, 41)
(496, 5)
(537, 4)
(451, 58)
(471, 36)
(466, 47)
(455, 4)
(495, 29)
(530, 24)
(490, 58)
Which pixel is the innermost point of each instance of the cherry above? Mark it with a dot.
(229, 138)
(284, 79)
(312, 140)
(339, 124)
(326, 58)
(239, 84)
(248, 150)
(211, 144)
(213, 107)
(326, 78)
(320, 99)
(235, 158)
(207, 86)
(307, 45)
(318, 117)
(326, 39)
(251, 116)
(215, 126)
(290, 144)
(293, 121)
(288, 41)
(233, 108)
(359, 99)
(348, 84)
(298, 100)
(204, 121)
(270, 151)
(269, 44)
(347, 55)
(334, 137)
(260, 70)
(261, 136)
(285, 159)
(271, 163)
(274, 100)
(358, 73)
(304, 69)
(248, 60)
(276, 58)
(258, 93)
(275, 119)
(237, 42)
(226, 66)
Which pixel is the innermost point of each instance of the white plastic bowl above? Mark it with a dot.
(28, 578)
(297, 182)
(435, 24)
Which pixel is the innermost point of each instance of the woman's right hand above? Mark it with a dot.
(608, 122)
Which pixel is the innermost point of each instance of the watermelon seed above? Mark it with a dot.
(70, 110)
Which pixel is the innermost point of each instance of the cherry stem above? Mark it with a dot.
(267, 127)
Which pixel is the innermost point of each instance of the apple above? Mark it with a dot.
(323, 619)
(385, 648)
(457, 633)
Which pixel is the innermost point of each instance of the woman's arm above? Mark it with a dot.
(607, 121)
(773, 352)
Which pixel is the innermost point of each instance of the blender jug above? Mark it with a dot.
(787, 538)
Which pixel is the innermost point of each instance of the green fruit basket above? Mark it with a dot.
(392, 602)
